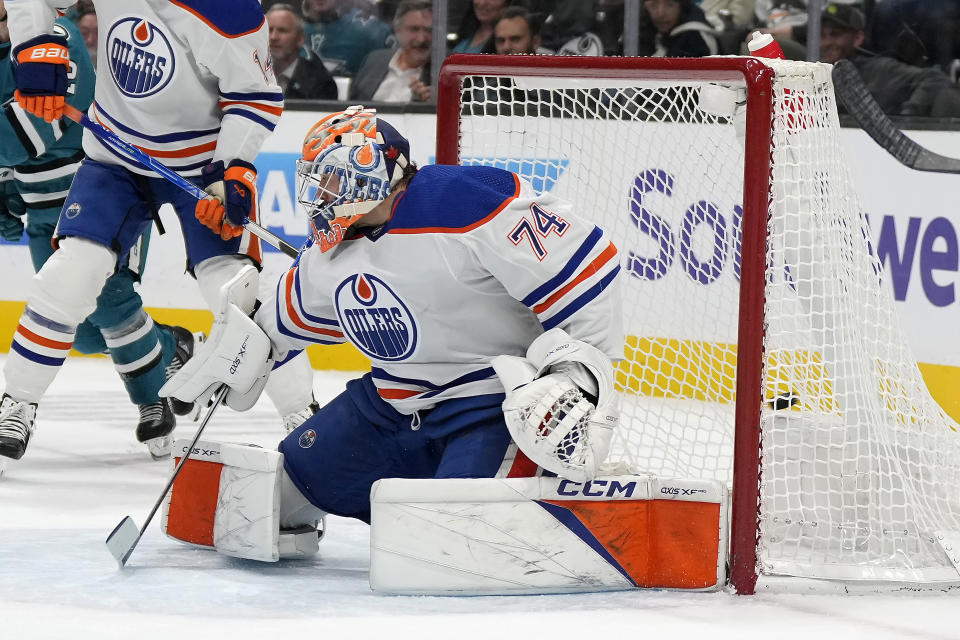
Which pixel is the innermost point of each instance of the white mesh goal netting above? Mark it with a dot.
(859, 476)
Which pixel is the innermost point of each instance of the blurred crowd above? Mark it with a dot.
(907, 51)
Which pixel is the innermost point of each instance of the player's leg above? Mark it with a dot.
(63, 293)
(144, 353)
(327, 465)
(102, 213)
(40, 230)
(292, 398)
(334, 458)
(475, 439)
(120, 320)
(214, 262)
(140, 352)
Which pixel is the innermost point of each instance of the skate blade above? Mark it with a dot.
(160, 447)
(3, 464)
(122, 540)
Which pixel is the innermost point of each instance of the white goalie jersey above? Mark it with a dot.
(471, 265)
(187, 81)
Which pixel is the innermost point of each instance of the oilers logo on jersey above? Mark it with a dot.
(72, 211)
(307, 438)
(141, 58)
(377, 322)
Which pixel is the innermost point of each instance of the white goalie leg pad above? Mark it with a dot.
(546, 535)
(236, 354)
(228, 498)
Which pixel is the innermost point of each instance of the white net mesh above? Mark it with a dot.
(859, 464)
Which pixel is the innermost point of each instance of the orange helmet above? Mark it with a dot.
(349, 162)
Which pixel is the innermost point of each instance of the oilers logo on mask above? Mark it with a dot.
(350, 162)
(358, 180)
(375, 319)
(141, 59)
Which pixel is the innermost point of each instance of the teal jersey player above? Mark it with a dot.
(40, 158)
(37, 163)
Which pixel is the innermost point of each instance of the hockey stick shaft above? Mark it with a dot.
(137, 155)
(849, 86)
(122, 541)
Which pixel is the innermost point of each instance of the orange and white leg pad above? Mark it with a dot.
(546, 535)
(227, 498)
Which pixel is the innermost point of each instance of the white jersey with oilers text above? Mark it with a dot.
(187, 81)
(472, 264)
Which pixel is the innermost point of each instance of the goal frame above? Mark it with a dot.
(758, 79)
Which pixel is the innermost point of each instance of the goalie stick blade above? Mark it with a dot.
(122, 540)
(849, 87)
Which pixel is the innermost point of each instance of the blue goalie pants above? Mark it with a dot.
(358, 438)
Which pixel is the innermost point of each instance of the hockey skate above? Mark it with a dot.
(186, 343)
(155, 429)
(16, 427)
(293, 420)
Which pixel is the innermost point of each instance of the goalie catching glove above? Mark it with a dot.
(236, 354)
(560, 409)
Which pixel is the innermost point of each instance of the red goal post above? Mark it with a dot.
(756, 318)
(758, 78)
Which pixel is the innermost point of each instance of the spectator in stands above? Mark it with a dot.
(916, 31)
(568, 20)
(343, 32)
(517, 31)
(87, 24)
(786, 21)
(733, 20)
(730, 14)
(299, 77)
(78, 9)
(402, 75)
(608, 26)
(899, 88)
(675, 28)
(476, 31)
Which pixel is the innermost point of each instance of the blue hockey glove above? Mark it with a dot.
(233, 197)
(40, 68)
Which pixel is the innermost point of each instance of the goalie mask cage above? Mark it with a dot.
(762, 348)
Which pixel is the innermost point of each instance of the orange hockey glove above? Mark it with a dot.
(40, 68)
(233, 197)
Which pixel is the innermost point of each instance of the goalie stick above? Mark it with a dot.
(126, 535)
(119, 144)
(864, 108)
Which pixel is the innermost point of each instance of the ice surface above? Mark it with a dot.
(85, 470)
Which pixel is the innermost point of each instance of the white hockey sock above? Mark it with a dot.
(40, 345)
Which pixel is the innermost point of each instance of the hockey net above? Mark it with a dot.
(763, 348)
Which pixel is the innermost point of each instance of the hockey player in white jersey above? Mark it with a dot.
(490, 315)
(37, 164)
(190, 83)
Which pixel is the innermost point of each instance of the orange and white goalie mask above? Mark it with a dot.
(350, 162)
